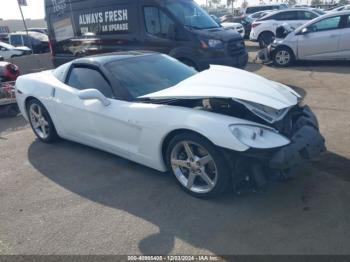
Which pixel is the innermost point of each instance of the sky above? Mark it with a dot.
(34, 10)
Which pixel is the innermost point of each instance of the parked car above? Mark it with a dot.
(234, 26)
(264, 29)
(246, 21)
(38, 42)
(324, 38)
(340, 8)
(8, 72)
(259, 14)
(257, 8)
(4, 37)
(8, 51)
(181, 29)
(210, 129)
(38, 30)
(229, 25)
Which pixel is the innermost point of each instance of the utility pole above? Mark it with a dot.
(24, 3)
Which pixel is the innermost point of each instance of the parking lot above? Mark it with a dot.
(66, 198)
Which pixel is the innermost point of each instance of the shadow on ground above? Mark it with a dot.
(154, 197)
(8, 124)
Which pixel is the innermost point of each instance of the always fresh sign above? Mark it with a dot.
(104, 22)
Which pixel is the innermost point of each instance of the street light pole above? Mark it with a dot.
(25, 25)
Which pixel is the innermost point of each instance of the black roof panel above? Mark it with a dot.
(111, 57)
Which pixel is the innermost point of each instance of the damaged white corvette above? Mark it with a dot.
(212, 129)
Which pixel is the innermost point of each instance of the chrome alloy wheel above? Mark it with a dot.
(282, 57)
(194, 167)
(39, 122)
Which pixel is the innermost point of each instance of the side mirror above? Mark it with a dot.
(89, 94)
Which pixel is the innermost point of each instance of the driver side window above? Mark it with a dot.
(157, 22)
(86, 78)
(326, 24)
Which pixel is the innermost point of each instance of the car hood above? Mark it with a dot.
(228, 82)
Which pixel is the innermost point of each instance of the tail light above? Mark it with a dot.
(255, 25)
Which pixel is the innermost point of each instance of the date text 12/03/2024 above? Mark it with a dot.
(174, 258)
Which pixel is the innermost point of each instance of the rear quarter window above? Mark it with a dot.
(61, 72)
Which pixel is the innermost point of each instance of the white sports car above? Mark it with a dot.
(211, 129)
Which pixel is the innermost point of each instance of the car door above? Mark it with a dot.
(89, 121)
(344, 40)
(321, 40)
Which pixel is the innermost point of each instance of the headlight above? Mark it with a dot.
(258, 136)
(212, 43)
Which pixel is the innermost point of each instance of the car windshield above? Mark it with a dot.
(191, 15)
(7, 46)
(149, 74)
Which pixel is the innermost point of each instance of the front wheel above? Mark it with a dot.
(41, 122)
(198, 165)
(283, 57)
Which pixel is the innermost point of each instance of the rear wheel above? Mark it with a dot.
(41, 122)
(265, 39)
(198, 165)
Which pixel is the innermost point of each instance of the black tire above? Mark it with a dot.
(283, 50)
(265, 39)
(51, 133)
(12, 110)
(223, 174)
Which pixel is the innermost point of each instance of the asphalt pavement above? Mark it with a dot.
(67, 198)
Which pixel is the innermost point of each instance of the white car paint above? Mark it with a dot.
(143, 127)
(269, 24)
(234, 26)
(8, 51)
(323, 45)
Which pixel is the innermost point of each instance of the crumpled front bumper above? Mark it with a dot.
(307, 144)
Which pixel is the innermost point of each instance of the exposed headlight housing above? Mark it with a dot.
(258, 136)
(266, 113)
(212, 43)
